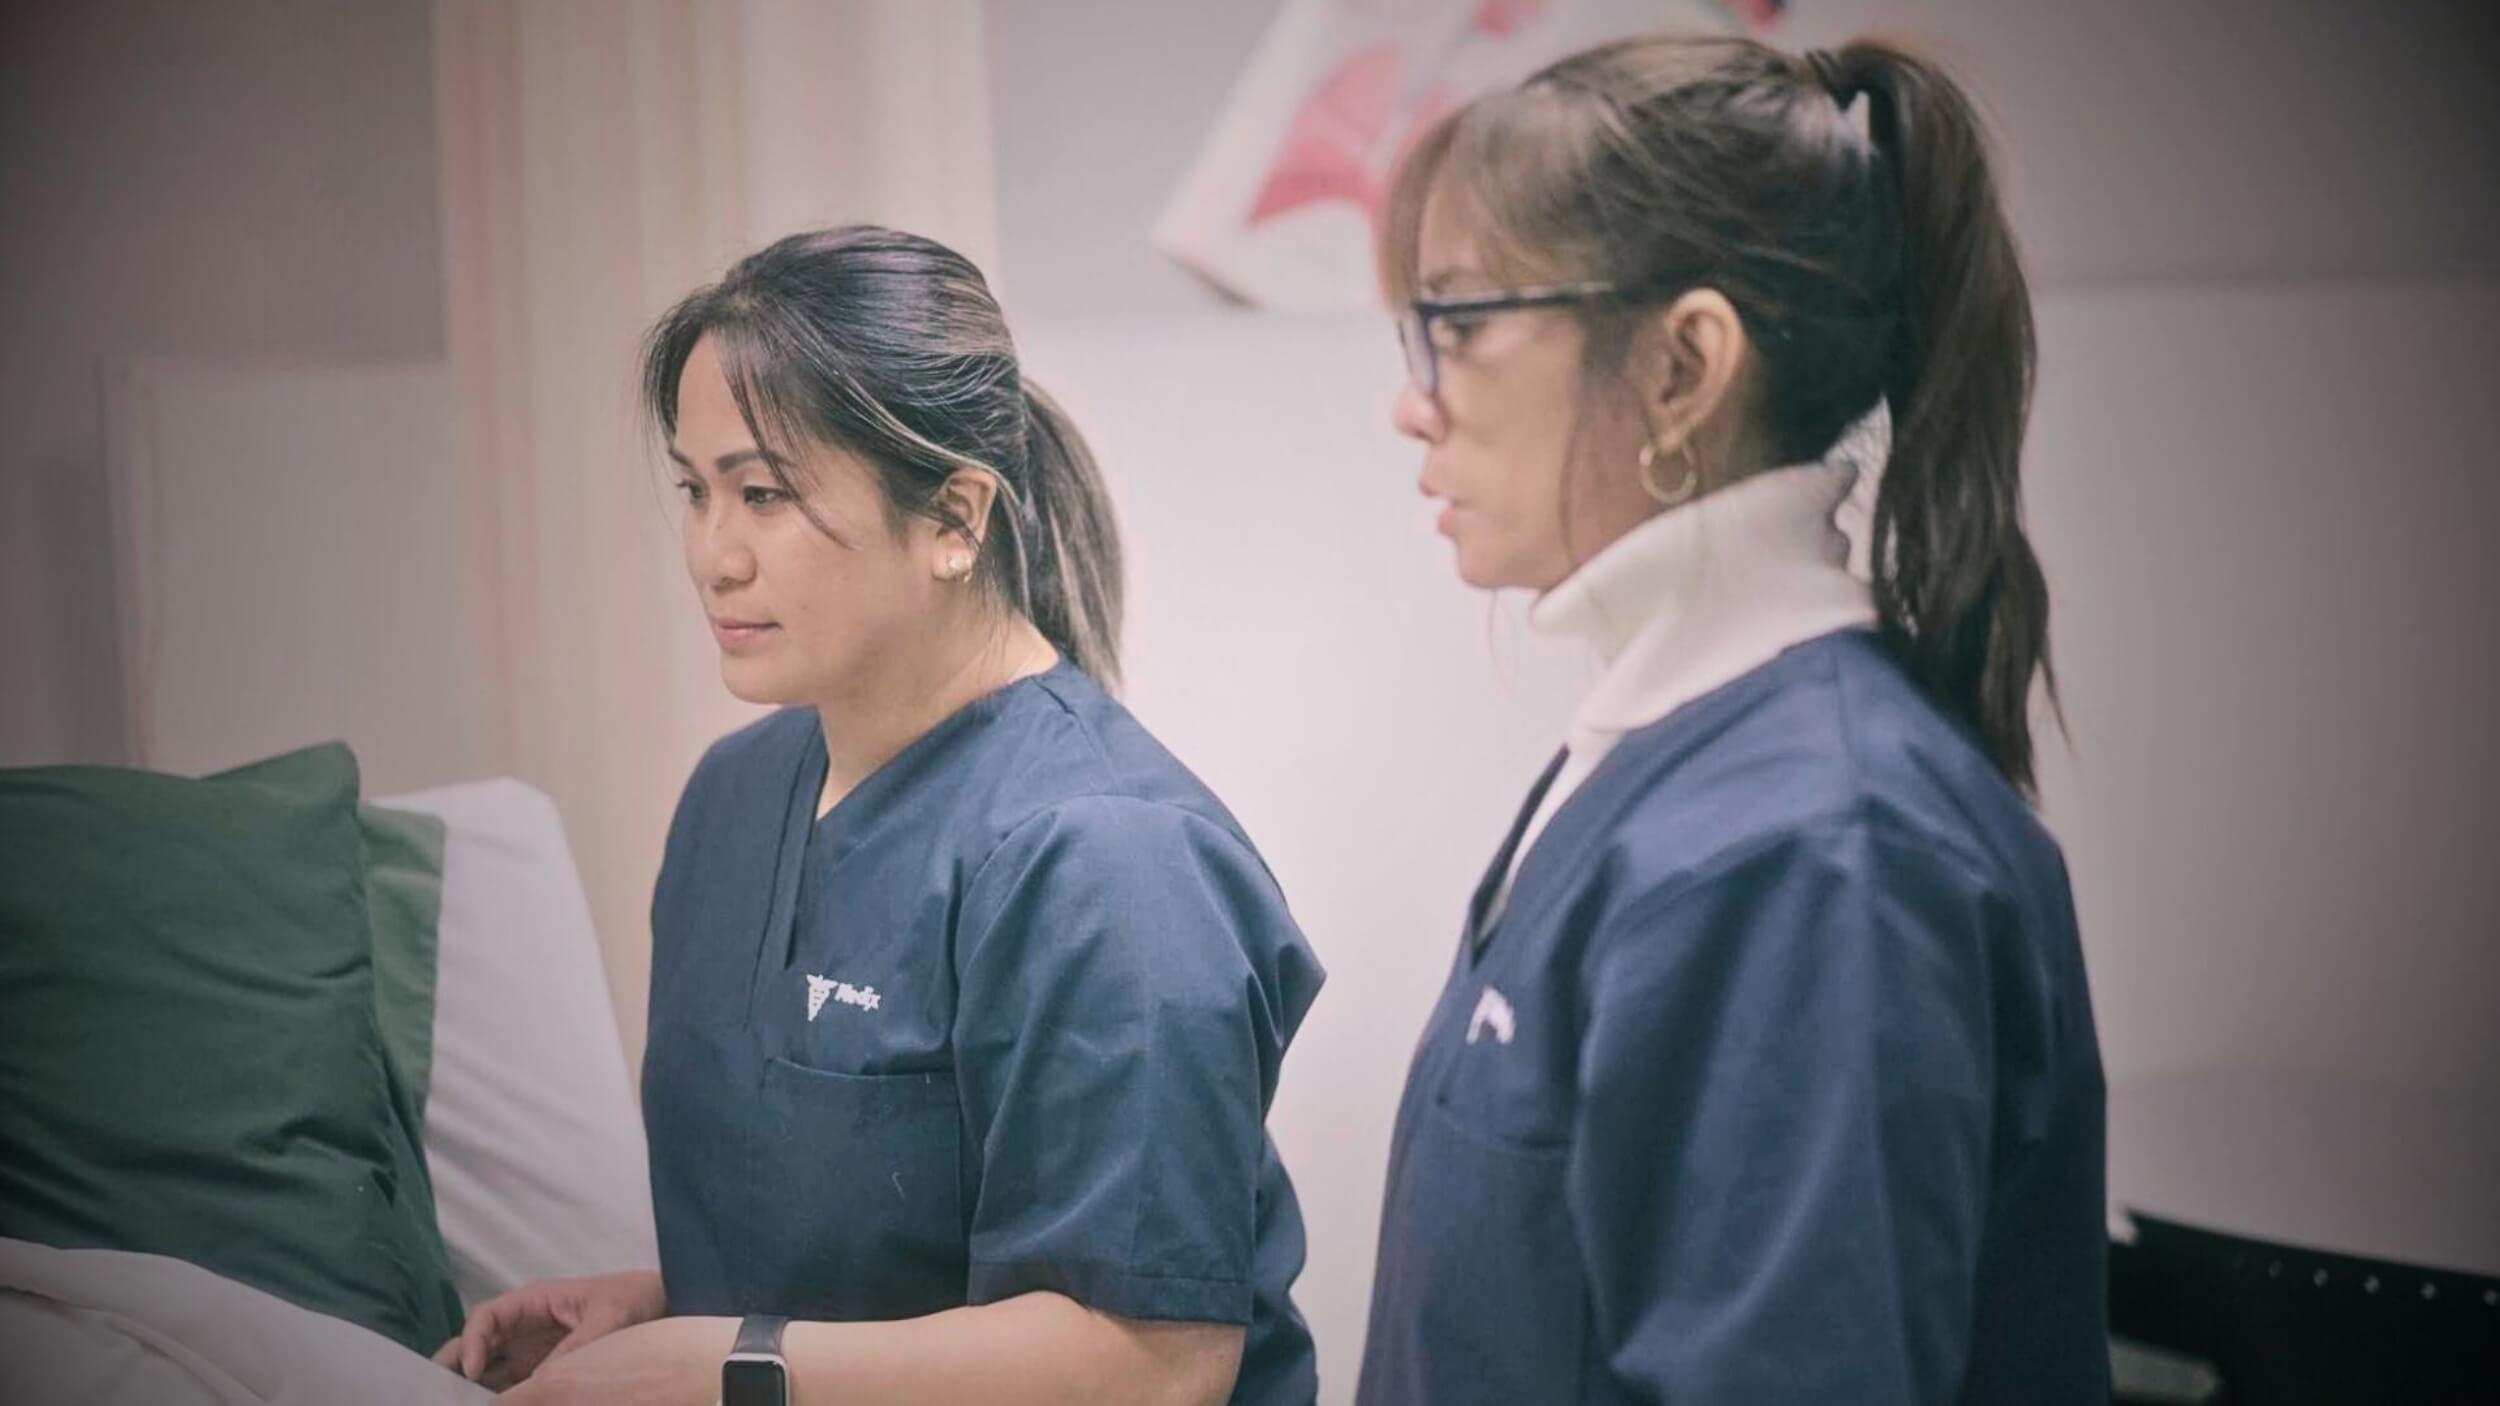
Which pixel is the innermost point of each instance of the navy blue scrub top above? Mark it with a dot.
(1775, 1082)
(1007, 1018)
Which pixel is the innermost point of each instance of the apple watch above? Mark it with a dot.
(754, 1374)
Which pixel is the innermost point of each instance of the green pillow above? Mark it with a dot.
(190, 1060)
(404, 900)
(403, 869)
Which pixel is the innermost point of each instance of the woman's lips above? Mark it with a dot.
(741, 634)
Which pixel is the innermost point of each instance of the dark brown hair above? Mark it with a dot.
(1867, 268)
(892, 347)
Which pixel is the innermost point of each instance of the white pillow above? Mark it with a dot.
(531, 1128)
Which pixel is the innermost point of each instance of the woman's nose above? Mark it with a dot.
(1417, 415)
(721, 558)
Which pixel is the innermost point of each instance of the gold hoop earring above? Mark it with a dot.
(1683, 490)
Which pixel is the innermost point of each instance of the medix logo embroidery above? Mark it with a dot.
(1492, 1013)
(820, 987)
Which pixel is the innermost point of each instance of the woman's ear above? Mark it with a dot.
(966, 497)
(1697, 355)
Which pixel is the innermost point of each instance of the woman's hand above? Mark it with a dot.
(510, 1336)
(670, 1362)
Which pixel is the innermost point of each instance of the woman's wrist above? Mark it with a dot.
(650, 1299)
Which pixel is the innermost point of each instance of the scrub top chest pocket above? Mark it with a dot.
(1500, 1058)
(860, 1176)
(1484, 1141)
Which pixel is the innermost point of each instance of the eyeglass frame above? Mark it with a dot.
(1423, 359)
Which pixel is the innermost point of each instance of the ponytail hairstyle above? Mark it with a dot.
(1868, 268)
(891, 346)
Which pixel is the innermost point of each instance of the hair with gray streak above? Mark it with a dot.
(891, 346)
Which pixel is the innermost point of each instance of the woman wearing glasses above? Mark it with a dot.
(1766, 1071)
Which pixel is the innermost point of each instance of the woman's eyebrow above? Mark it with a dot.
(733, 460)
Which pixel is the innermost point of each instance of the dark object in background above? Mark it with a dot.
(2285, 1326)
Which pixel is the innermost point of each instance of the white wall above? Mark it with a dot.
(2266, 513)
(297, 565)
(249, 179)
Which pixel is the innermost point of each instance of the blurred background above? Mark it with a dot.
(317, 324)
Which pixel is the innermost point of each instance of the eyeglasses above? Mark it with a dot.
(1415, 324)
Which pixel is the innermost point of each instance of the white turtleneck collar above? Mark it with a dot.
(1706, 592)
(1695, 598)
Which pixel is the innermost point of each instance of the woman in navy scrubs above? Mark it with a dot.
(1766, 1071)
(968, 1000)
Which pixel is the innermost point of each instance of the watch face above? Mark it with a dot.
(754, 1381)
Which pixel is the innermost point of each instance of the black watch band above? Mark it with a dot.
(760, 1333)
(755, 1374)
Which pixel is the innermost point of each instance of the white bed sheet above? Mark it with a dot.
(110, 1328)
